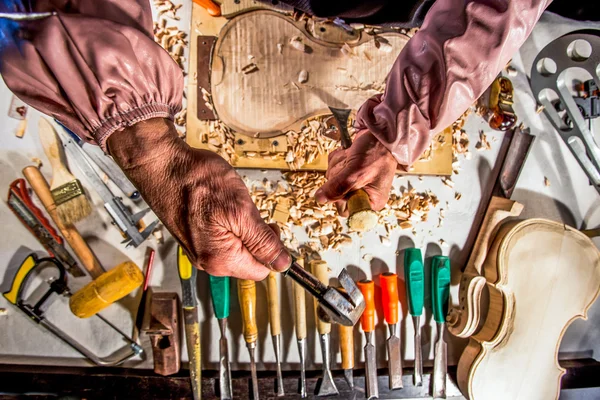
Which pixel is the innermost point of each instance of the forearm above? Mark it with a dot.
(444, 68)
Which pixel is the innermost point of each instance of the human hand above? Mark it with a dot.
(366, 165)
(201, 200)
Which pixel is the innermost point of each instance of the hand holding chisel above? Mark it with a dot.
(367, 322)
(415, 285)
(247, 297)
(275, 322)
(219, 292)
(389, 299)
(440, 289)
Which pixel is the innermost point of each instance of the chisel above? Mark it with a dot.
(275, 322)
(187, 276)
(440, 290)
(327, 388)
(300, 323)
(389, 300)
(367, 322)
(347, 350)
(415, 285)
(247, 296)
(219, 292)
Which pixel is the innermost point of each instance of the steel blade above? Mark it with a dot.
(440, 365)
(394, 362)
(371, 372)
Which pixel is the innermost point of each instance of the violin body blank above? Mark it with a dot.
(539, 276)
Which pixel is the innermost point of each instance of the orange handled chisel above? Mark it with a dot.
(389, 299)
(213, 9)
(367, 322)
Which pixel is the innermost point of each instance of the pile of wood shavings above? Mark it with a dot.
(220, 139)
(305, 146)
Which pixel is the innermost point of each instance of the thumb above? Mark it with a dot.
(265, 246)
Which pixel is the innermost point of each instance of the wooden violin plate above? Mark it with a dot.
(270, 99)
(439, 163)
(541, 276)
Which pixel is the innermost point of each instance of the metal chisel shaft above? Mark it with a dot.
(300, 325)
(247, 297)
(367, 322)
(275, 322)
(219, 292)
(389, 299)
(440, 291)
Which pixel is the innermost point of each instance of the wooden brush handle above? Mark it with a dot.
(70, 233)
(300, 306)
(273, 300)
(319, 270)
(54, 151)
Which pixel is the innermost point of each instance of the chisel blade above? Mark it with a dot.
(225, 386)
(418, 374)
(251, 347)
(192, 338)
(348, 376)
(371, 372)
(440, 365)
(327, 387)
(394, 362)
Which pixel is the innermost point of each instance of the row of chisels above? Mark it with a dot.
(414, 278)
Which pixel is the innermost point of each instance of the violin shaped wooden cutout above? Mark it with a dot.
(539, 276)
(270, 73)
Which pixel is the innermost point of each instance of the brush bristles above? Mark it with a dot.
(74, 210)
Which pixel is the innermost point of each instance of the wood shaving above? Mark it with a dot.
(296, 43)
(3, 311)
(511, 71)
(539, 109)
(546, 181)
(448, 182)
(250, 68)
(38, 162)
(483, 143)
(303, 76)
(457, 195)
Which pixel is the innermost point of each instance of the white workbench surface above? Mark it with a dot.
(569, 198)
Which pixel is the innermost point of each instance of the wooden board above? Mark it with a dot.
(541, 276)
(440, 162)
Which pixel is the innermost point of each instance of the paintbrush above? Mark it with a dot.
(71, 203)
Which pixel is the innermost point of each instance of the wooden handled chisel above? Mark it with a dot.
(219, 292)
(347, 350)
(367, 322)
(415, 286)
(275, 322)
(327, 388)
(300, 325)
(440, 291)
(247, 297)
(187, 276)
(389, 299)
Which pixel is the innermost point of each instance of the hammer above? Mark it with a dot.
(361, 216)
(334, 305)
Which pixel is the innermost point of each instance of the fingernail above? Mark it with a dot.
(282, 262)
(320, 197)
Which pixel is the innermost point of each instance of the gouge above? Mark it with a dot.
(327, 388)
(275, 322)
(347, 350)
(300, 324)
(247, 296)
(415, 286)
(389, 299)
(342, 308)
(219, 292)
(361, 215)
(440, 290)
(187, 276)
(367, 322)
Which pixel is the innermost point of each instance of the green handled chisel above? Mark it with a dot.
(219, 292)
(187, 276)
(415, 286)
(440, 290)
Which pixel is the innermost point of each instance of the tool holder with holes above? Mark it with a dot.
(551, 88)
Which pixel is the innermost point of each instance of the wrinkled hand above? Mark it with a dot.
(367, 165)
(201, 200)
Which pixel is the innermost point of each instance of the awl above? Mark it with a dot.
(389, 300)
(440, 290)
(300, 325)
(327, 388)
(187, 276)
(275, 322)
(367, 322)
(247, 297)
(219, 292)
(415, 286)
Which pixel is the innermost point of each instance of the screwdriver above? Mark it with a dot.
(187, 276)
(300, 322)
(219, 292)
(347, 349)
(367, 322)
(247, 296)
(414, 278)
(389, 299)
(275, 322)
(327, 388)
(440, 290)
